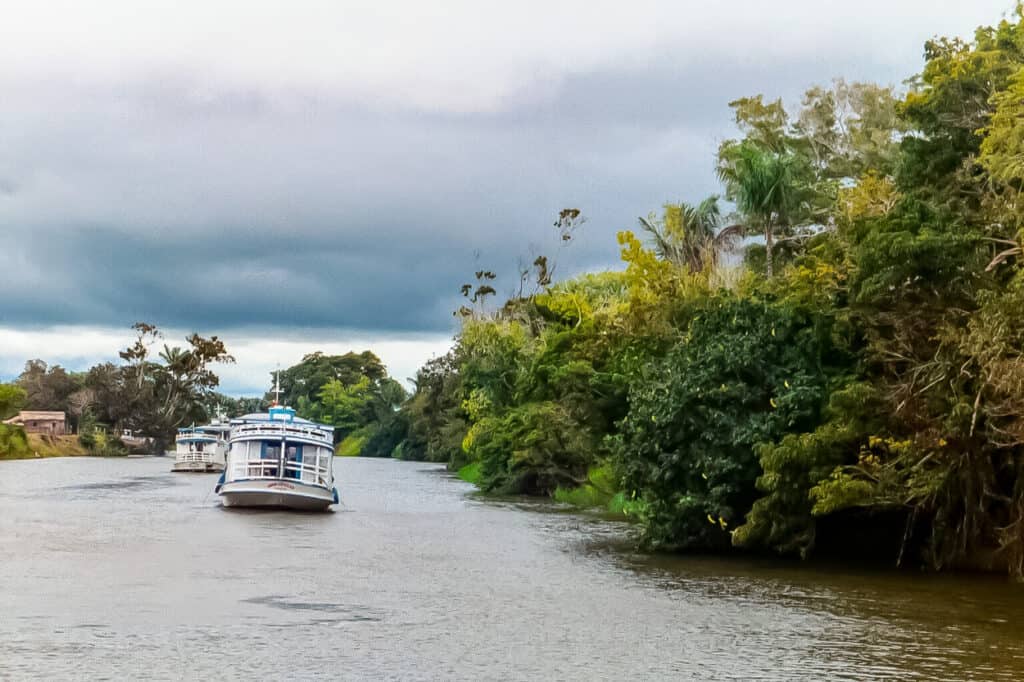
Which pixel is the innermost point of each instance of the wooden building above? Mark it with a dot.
(33, 421)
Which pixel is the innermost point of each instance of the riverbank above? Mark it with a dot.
(870, 548)
(39, 445)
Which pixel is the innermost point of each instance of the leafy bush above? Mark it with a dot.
(13, 442)
(534, 449)
(746, 373)
(470, 473)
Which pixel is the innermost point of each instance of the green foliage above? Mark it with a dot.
(12, 399)
(585, 496)
(345, 407)
(375, 439)
(149, 393)
(948, 109)
(386, 436)
(470, 473)
(866, 366)
(434, 416)
(746, 372)
(352, 393)
(534, 448)
(52, 389)
(689, 236)
(782, 519)
(13, 442)
(157, 393)
(601, 490)
(306, 379)
(354, 443)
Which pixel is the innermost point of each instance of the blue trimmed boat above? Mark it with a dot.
(276, 459)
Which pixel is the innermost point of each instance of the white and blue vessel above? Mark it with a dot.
(201, 448)
(276, 459)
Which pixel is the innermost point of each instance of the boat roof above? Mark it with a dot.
(216, 426)
(265, 417)
(278, 415)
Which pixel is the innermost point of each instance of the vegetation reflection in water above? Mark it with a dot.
(866, 621)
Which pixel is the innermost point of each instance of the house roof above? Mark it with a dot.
(36, 415)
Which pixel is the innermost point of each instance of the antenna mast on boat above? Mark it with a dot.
(277, 386)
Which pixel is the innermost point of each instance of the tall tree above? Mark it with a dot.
(765, 186)
(163, 395)
(46, 387)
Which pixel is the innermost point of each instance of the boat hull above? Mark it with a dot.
(280, 494)
(197, 467)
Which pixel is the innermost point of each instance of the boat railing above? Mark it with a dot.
(306, 471)
(280, 429)
(198, 437)
(195, 457)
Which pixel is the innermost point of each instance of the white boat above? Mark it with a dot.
(276, 459)
(201, 448)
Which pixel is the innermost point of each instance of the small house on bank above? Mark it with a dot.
(33, 421)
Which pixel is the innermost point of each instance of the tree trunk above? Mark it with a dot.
(768, 241)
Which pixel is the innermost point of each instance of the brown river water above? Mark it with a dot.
(118, 569)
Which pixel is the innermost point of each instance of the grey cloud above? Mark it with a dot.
(192, 206)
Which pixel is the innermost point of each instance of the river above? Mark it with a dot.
(117, 569)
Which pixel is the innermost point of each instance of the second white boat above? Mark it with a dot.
(201, 448)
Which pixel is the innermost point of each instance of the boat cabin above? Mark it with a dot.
(279, 445)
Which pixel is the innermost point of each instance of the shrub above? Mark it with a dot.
(13, 442)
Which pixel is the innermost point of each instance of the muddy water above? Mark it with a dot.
(116, 568)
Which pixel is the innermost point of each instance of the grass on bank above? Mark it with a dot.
(470, 473)
(599, 493)
(353, 443)
(16, 444)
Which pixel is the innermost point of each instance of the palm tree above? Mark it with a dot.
(689, 235)
(764, 186)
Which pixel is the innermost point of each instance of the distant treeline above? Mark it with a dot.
(351, 392)
(149, 393)
(858, 381)
(152, 394)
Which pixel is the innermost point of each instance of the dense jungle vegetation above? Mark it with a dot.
(857, 378)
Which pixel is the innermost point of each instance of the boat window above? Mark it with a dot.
(270, 450)
(293, 455)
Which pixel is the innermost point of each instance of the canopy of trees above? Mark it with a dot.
(859, 376)
(149, 393)
(157, 388)
(351, 392)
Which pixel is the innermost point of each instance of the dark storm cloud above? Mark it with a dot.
(171, 201)
(233, 278)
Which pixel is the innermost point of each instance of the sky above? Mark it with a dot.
(324, 175)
